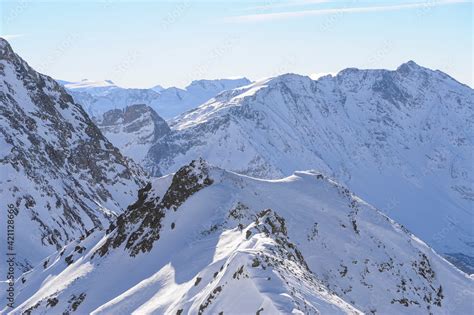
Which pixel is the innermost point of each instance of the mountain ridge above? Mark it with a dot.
(268, 242)
(59, 173)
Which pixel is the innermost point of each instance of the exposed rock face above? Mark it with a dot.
(59, 173)
(149, 210)
(133, 130)
(204, 240)
(408, 132)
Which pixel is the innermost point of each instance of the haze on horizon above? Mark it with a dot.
(171, 43)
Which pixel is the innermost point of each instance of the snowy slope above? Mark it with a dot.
(58, 173)
(175, 101)
(400, 139)
(205, 241)
(102, 96)
(133, 130)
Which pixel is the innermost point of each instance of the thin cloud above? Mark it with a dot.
(314, 12)
(294, 3)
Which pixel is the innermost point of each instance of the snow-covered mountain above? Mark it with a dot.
(60, 178)
(133, 130)
(175, 101)
(209, 241)
(100, 97)
(402, 140)
(158, 88)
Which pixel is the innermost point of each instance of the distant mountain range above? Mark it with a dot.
(98, 97)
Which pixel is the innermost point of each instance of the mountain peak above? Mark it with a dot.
(348, 71)
(158, 88)
(4, 43)
(289, 77)
(142, 225)
(292, 80)
(410, 63)
(5, 49)
(409, 66)
(199, 167)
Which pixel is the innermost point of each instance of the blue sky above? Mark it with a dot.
(145, 43)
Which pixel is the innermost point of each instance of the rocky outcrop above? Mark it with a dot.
(133, 130)
(59, 173)
(140, 226)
